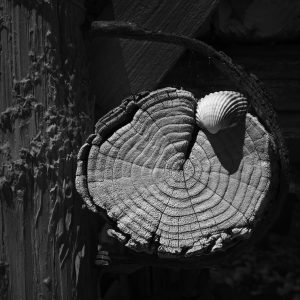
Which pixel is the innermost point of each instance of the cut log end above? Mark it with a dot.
(172, 189)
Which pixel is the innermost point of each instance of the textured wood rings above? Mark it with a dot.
(170, 187)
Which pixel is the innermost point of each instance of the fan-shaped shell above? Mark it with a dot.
(220, 110)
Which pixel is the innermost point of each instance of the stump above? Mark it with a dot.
(171, 188)
(176, 193)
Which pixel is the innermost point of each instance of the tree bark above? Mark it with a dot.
(46, 113)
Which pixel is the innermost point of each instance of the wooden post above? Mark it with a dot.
(46, 113)
(174, 190)
(133, 173)
(107, 147)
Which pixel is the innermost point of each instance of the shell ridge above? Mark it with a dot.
(220, 110)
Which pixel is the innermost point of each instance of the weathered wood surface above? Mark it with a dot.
(171, 188)
(130, 66)
(45, 104)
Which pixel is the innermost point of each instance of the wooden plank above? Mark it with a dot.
(130, 66)
(40, 68)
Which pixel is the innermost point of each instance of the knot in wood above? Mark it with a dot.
(170, 187)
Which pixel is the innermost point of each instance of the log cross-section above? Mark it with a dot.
(172, 188)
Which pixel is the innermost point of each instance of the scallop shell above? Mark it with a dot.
(220, 110)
